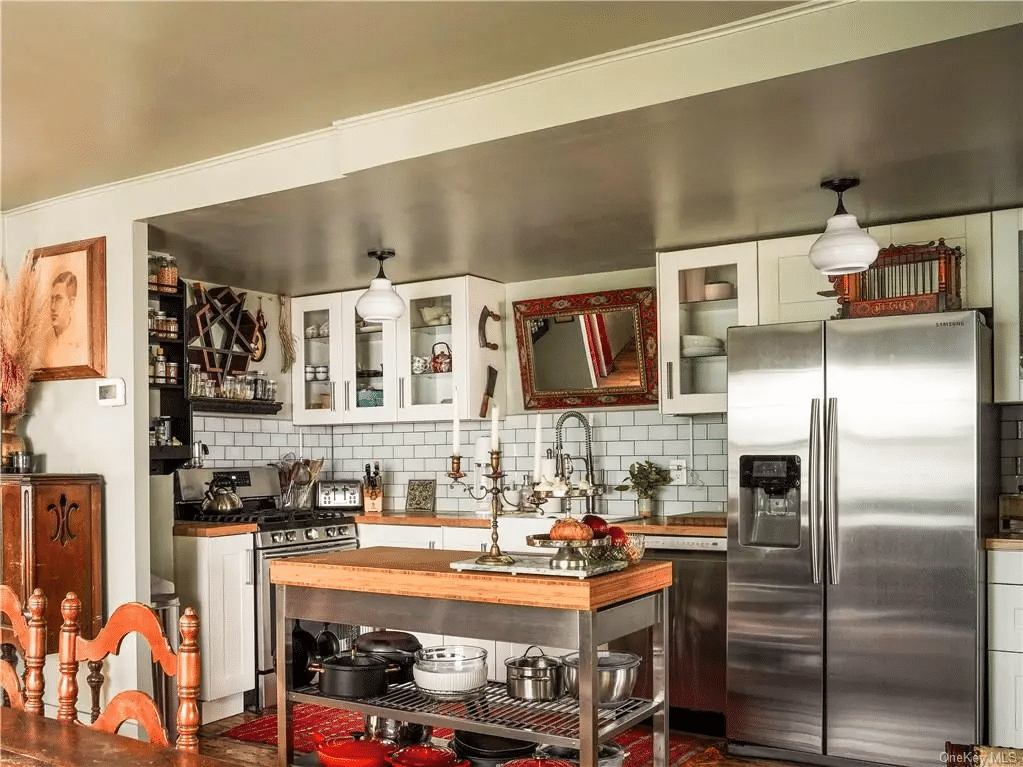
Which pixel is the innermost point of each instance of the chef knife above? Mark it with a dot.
(488, 391)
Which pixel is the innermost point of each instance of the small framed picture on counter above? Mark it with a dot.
(421, 495)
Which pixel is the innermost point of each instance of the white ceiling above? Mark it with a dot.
(931, 130)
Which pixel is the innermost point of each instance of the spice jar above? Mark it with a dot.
(173, 327)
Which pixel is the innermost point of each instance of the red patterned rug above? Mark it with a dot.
(683, 750)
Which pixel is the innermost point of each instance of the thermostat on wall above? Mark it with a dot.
(110, 392)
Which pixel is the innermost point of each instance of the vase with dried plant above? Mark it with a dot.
(23, 324)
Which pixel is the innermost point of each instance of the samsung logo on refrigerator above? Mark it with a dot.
(956, 324)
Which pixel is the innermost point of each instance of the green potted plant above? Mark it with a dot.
(644, 480)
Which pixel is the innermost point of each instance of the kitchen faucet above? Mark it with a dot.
(562, 458)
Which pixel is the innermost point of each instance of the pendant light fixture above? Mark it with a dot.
(844, 248)
(380, 303)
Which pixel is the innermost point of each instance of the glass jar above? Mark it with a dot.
(160, 371)
(152, 320)
(173, 327)
(168, 276)
(172, 372)
(154, 272)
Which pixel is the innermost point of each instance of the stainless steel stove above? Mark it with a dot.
(281, 532)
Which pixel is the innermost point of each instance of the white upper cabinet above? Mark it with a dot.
(316, 374)
(1007, 289)
(790, 288)
(701, 293)
(441, 348)
(370, 384)
(407, 370)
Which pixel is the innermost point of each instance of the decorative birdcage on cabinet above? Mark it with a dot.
(905, 279)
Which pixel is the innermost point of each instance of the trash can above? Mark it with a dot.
(165, 691)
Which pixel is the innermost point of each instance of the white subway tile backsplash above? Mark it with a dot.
(621, 418)
(422, 450)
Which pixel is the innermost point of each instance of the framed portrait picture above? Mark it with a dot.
(421, 495)
(73, 276)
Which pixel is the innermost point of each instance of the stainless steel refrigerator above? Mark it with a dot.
(861, 482)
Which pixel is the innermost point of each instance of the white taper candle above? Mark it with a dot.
(455, 436)
(495, 442)
(536, 451)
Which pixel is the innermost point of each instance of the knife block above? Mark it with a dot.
(373, 501)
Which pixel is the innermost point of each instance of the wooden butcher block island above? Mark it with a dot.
(417, 590)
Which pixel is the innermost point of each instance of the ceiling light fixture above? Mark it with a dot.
(844, 248)
(380, 303)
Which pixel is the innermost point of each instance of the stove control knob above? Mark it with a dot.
(312, 533)
(331, 532)
(276, 537)
(290, 535)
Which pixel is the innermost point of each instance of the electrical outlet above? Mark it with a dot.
(679, 471)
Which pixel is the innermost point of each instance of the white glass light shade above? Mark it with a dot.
(844, 248)
(380, 303)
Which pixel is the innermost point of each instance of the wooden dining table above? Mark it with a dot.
(28, 740)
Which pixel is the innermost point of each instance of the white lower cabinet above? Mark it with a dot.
(467, 539)
(1005, 648)
(215, 575)
(402, 536)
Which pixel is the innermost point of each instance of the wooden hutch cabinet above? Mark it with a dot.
(51, 541)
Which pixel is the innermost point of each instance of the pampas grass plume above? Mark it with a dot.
(24, 320)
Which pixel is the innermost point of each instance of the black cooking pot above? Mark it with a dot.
(352, 676)
(398, 647)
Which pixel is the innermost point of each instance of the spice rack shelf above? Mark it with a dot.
(250, 407)
(496, 713)
(169, 398)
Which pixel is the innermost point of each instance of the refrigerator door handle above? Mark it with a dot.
(831, 488)
(671, 380)
(815, 493)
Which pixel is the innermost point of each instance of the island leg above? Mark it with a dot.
(285, 680)
(659, 681)
(587, 692)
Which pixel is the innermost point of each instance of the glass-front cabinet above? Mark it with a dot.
(316, 374)
(413, 369)
(369, 390)
(431, 348)
(702, 293)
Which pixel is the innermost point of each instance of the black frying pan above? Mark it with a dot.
(303, 654)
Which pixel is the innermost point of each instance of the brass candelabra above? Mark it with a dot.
(496, 492)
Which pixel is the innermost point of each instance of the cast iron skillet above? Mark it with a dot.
(303, 653)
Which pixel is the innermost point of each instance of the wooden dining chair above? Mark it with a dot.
(28, 636)
(131, 704)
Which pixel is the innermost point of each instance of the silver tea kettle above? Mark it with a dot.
(221, 496)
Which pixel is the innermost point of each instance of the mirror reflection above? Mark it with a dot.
(596, 349)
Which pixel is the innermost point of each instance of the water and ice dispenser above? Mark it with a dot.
(769, 500)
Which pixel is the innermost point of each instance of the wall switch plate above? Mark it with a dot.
(679, 468)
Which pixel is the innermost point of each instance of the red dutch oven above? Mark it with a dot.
(426, 755)
(352, 752)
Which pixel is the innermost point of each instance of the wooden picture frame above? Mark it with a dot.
(421, 495)
(74, 276)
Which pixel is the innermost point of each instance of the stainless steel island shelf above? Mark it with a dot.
(384, 587)
(555, 722)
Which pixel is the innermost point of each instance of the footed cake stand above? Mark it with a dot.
(570, 554)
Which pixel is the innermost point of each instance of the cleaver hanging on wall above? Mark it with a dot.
(488, 390)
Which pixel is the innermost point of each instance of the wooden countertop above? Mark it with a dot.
(212, 529)
(427, 573)
(1004, 544)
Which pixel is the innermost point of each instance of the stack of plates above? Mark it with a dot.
(702, 346)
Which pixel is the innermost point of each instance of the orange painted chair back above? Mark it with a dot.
(29, 636)
(132, 704)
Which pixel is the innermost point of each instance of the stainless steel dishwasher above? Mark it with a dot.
(697, 637)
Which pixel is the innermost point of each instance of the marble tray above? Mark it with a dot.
(537, 564)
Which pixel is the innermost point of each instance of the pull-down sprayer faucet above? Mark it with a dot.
(560, 457)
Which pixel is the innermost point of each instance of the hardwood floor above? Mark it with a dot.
(213, 743)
